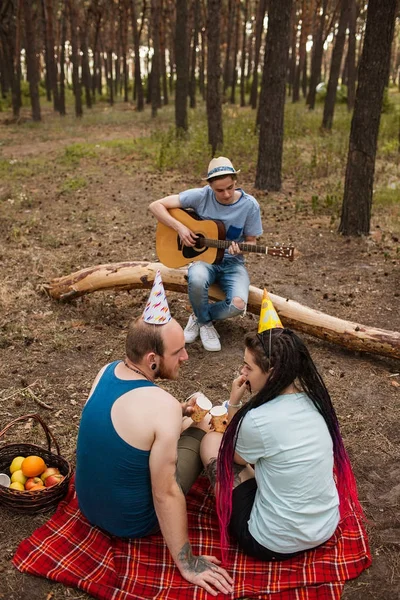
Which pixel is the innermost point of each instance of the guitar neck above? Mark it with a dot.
(283, 251)
(243, 246)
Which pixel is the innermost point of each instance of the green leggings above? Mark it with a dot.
(189, 465)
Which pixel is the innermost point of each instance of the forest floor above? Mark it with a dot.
(63, 208)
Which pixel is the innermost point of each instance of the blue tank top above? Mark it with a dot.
(112, 477)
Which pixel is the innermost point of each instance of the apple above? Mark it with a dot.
(16, 485)
(33, 481)
(53, 479)
(38, 486)
(16, 463)
(19, 477)
(49, 471)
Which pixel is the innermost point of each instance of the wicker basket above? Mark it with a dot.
(39, 500)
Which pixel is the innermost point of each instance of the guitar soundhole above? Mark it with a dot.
(190, 252)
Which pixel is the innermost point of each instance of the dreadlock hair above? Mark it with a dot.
(284, 355)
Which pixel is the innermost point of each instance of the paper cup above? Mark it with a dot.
(219, 418)
(5, 480)
(202, 406)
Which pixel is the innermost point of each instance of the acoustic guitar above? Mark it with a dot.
(210, 244)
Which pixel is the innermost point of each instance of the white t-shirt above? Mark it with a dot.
(296, 505)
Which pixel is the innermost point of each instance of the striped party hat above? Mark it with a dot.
(156, 311)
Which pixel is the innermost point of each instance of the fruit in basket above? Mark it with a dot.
(18, 477)
(16, 463)
(33, 466)
(38, 486)
(33, 481)
(49, 471)
(16, 485)
(53, 479)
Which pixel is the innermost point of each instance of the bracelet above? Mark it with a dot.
(228, 404)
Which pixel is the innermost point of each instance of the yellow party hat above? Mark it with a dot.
(268, 315)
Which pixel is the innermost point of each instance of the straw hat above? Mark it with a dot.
(157, 311)
(219, 167)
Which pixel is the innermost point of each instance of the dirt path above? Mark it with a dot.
(48, 229)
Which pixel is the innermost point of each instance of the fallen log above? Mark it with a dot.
(140, 275)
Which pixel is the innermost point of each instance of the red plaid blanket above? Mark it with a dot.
(69, 550)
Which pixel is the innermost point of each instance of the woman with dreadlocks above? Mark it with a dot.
(281, 474)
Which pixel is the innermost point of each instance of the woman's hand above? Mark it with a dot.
(239, 387)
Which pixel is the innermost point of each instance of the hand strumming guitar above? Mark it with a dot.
(187, 237)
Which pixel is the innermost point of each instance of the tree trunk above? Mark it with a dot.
(229, 31)
(140, 275)
(294, 23)
(202, 84)
(195, 39)
(51, 58)
(316, 59)
(155, 63)
(163, 58)
(63, 35)
(123, 19)
(307, 9)
(214, 107)
(272, 97)
(243, 58)
(10, 32)
(351, 56)
(73, 19)
(86, 76)
(31, 62)
(372, 78)
(46, 51)
(138, 84)
(261, 8)
(232, 98)
(336, 61)
(182, 67)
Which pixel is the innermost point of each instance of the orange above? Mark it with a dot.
(33, 466)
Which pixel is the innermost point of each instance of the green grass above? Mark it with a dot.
(314, 161)
(387, 197)
(73, 184)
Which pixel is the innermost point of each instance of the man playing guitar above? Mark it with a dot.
(220, 200)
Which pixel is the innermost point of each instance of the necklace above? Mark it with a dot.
(135, 370)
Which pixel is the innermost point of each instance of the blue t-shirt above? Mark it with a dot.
(112, 479)
(241, 219)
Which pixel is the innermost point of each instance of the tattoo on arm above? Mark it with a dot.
(194, 564)
(211, 471)
(237, 470)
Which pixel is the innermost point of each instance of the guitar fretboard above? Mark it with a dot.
(285, 251)
(226, 243)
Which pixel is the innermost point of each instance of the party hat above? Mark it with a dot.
(268, 315)
(157, 309)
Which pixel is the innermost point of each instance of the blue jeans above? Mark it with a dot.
(231, 276)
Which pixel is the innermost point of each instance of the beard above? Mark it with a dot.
(163, 372)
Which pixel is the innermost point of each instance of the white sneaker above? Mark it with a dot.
(191, 330)
(209, 338)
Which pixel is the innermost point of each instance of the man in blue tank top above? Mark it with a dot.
(138, 449)
(220, 200)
